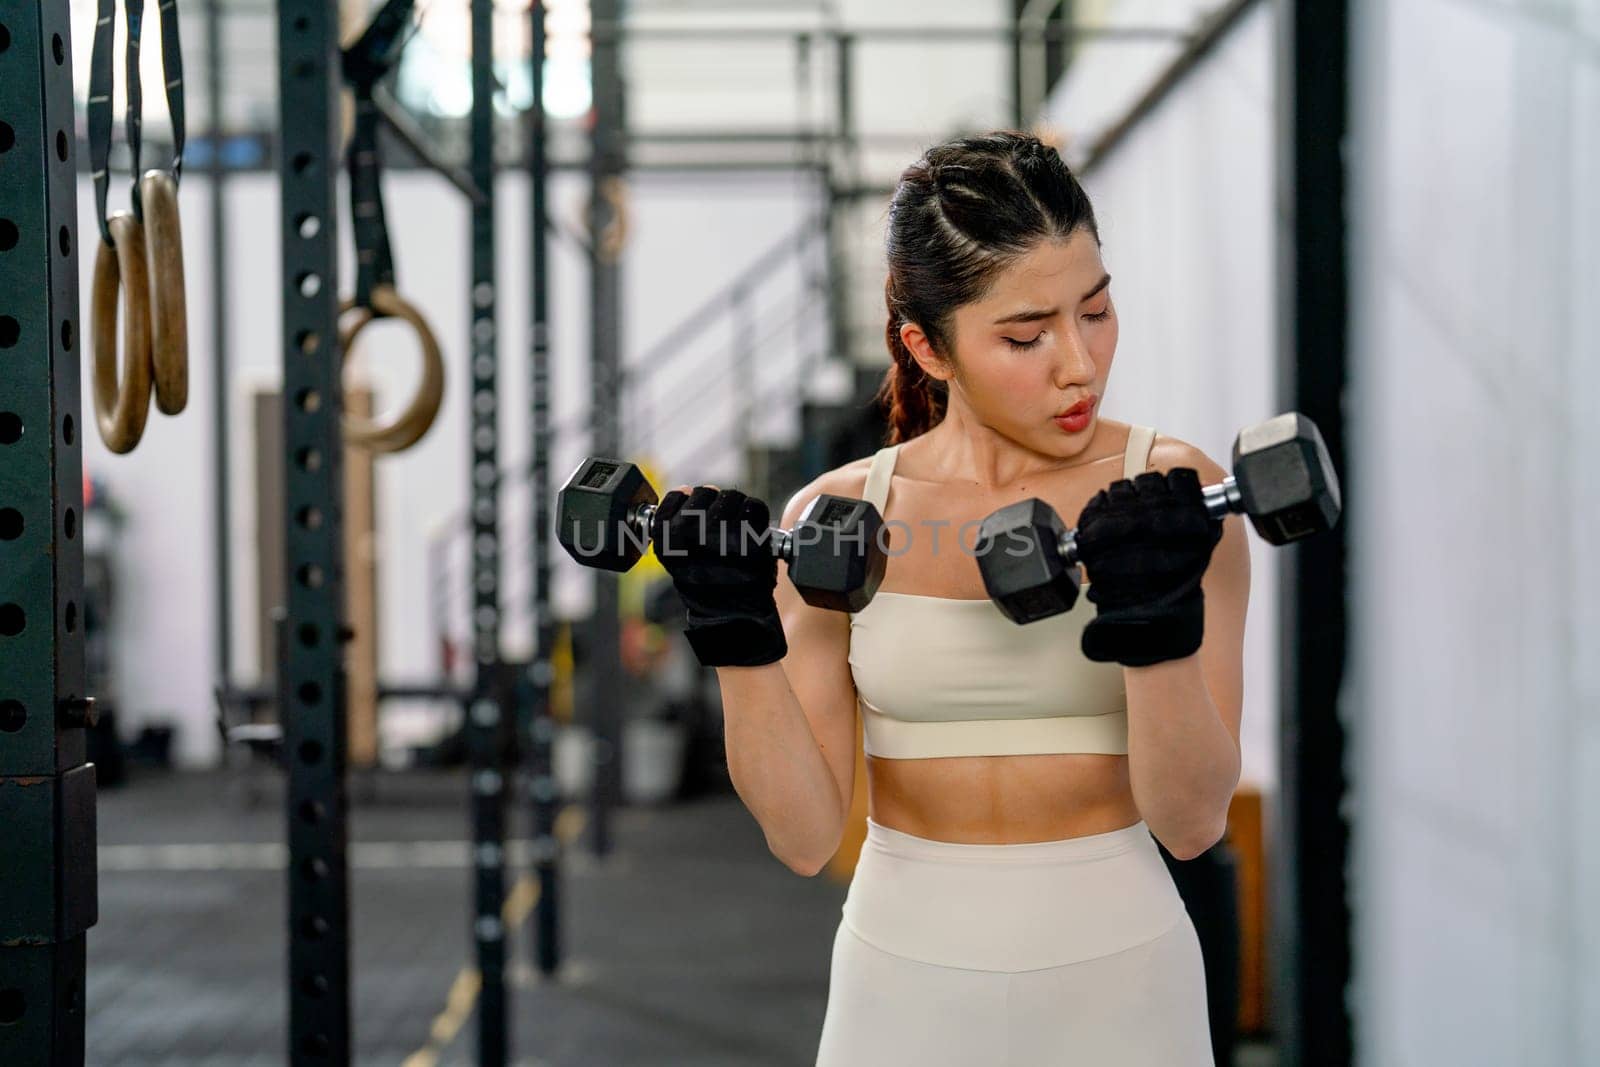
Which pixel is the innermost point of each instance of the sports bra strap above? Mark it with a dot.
(1137, 456)
(877, 491)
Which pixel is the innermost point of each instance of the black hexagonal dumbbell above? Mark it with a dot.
(1282, 479)
(835, 552)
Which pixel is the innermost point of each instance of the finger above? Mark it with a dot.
(1184, 483)
(1121, 491)
(701, 498)
(756, 513)
(1093, 508)
(727, 507)
(669, 506)
(1151, 484)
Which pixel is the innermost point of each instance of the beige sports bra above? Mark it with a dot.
(943, 676)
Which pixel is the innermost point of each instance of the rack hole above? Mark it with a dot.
(10, 427)
(308, 400)
(309, 459)
(310, 694)
(10, 331)
(12, 620)
(69, 430)
(61, 145)
(10, 524)
(310, 576)
(13, 716)
(69, 524)
(8, 137)
(66, 336)
(309, 283)
(58, 49)
(308, 342)
(70, 616)
(13, 1006)
(9, 235)
(64, 241)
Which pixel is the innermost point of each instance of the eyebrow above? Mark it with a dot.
(1035, 314)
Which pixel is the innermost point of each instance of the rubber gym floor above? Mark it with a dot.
(691, 944)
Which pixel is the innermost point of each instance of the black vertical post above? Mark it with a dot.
(219, 346)
(842, 171)
(606, 163)
(1019, 106)
(47, 792)
(541, 733)
(1312, 905)
(487, 717)
(311, 680)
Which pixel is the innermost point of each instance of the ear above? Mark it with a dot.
(921, 349)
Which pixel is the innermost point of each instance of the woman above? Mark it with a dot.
(1010, 905)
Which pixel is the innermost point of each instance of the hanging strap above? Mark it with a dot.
(374, 258)
(365, 63)
(172, 76)
(102, 87)
(99, 110)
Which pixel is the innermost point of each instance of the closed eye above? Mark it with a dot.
(1100, 316)
(1024, 345)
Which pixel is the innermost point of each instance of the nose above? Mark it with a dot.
(1074, 365)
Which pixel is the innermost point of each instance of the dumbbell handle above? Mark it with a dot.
(782, 541)
(1221, 500)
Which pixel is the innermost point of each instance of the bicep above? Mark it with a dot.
(818, 670)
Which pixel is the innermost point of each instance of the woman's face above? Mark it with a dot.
(1040, 341)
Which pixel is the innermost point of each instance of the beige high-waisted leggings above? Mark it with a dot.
(1077, 951)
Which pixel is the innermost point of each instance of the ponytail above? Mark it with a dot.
(914, 402)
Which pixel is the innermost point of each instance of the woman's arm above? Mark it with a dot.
(1183, 714)
(791, 726)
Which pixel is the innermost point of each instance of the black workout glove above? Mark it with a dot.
(717, 546)
(1146, 544)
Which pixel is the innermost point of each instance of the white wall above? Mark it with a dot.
(1476, 161)
(1185, 213)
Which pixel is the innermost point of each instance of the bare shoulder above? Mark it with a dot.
(1170, 452)
(849, 480)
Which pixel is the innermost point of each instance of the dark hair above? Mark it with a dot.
(960, 215)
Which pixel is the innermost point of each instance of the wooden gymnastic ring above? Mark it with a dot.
(169, 317)
(407, 428)
(121, 409)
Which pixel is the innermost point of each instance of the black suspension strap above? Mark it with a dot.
(99, 110)
(102, 86)
(366, 63)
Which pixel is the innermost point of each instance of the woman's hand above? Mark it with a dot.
(716, 545)
(1146, 544)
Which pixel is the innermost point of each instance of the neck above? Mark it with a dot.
(963, 449)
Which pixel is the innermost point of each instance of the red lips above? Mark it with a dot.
(1082, 407)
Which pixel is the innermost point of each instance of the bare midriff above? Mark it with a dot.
(1001, 799)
